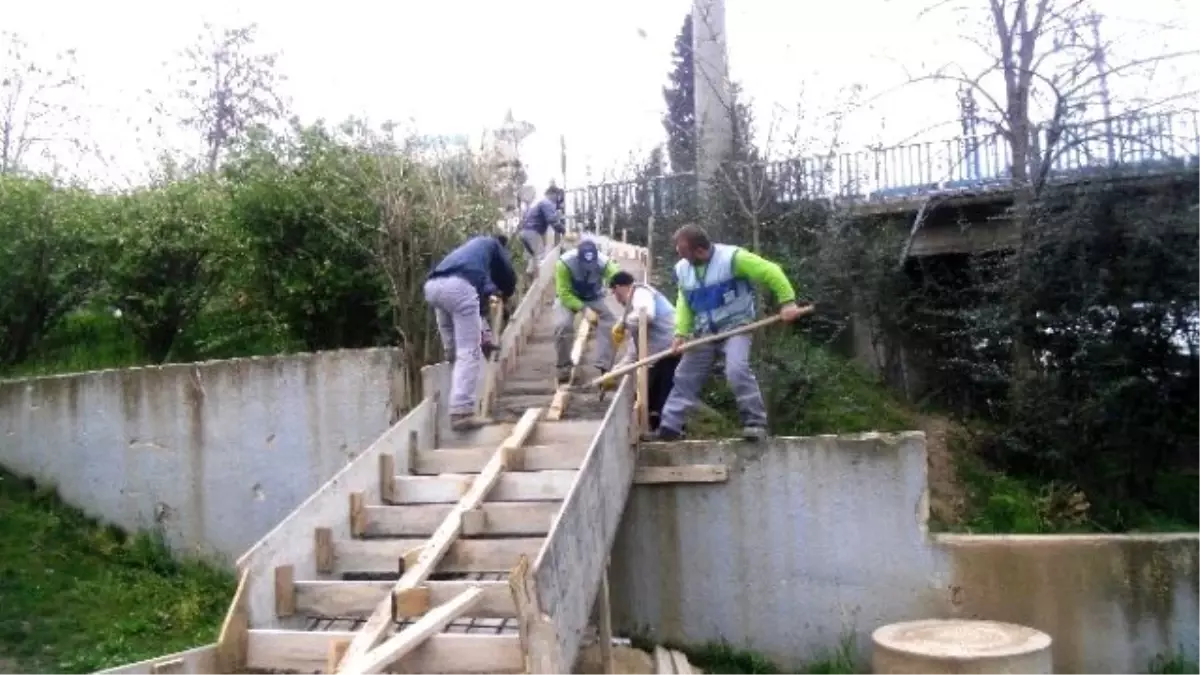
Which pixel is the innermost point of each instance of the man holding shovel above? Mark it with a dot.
(579, 278)
(715, 296)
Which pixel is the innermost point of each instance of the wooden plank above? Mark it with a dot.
(358, 598)
(285, 591)
(291, 542)
(662, 661)
(337, 650)
(606, 635)
(307, 652)
(643, 373)
(231, 643)
(491, 366)
(472, 460)
(323, 549)
(387, 476)
(688, 473)
(519, 486)
(465, 555)
(568, 571)
(507, 518)
(199, 660)
(430, 624)
(171, 666)
(439, 546)
(539, 648)
(358, 514)
(681, 663)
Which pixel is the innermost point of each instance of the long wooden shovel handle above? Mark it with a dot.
(692, 344)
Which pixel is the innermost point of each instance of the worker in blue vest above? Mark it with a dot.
(638, 299)
(716, 295)
(457, 289)
(579, 278)
(540, 217)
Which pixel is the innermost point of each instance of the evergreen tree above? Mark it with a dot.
(680, 95)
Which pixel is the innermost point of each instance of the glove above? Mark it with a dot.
(618, 335)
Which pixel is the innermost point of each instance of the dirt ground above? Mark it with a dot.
(947, 496)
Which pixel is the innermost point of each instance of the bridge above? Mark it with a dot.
(1139, 153)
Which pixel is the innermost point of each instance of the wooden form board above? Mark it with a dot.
(292, 541)
(517, 486)
(472, 460)
(198, 660)
(499, 518)
(464, 555)
(358, 655)
(567, 573)
(359, 598)
(307, 652)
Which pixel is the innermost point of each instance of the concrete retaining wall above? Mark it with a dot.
(213, 454)
(812, 540)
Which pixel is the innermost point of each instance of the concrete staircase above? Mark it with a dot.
(439, 552)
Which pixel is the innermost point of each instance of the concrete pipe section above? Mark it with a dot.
(960, 646)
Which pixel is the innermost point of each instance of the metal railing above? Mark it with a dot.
(1132, 145)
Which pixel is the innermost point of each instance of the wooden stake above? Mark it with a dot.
(285, 591)
(387, 477)
(358, 514)
(323, 537)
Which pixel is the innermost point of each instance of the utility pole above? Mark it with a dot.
(1102, 77)
(714, 101)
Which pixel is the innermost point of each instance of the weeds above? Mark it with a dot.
(78, 596)
(722, 657)
(1171, 664)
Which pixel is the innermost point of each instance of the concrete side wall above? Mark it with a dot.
(213, 454)
(812, 540)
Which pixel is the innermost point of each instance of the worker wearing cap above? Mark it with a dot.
(639, 298)
(579, 278)
(457, 289)
(716, 295)
(540, 217)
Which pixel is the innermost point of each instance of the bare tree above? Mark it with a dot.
(34, 112)
(228, 88)
(1042, 77)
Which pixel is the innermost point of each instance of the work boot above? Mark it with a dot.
(564, 373)
(752, 433)
(662, 435)
(467, 422)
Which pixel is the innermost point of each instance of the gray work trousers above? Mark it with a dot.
(535, 248)
(456, 305)
(564, 333)
(694, 368)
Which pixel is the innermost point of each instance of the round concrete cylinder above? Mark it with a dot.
(960, 646)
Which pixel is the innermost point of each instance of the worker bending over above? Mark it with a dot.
(579, 278)
(716, 295)
(660, 330)
(457, 289)
(537, 219)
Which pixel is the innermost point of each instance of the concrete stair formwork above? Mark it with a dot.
(441, 552)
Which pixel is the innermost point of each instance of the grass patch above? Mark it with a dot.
(808, 390)
(1169, 664)
(79, 596)
(722, 657)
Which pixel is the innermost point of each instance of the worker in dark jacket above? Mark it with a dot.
(457, 288)
(540, 217)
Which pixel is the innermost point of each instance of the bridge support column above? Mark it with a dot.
(714, 105)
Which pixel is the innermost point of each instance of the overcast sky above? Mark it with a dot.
(592, 71)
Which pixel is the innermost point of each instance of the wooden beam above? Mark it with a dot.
(175, 665)
(387, 476)
(520, 486)
(643, 373)
(689, 473)
(472, 460)
(500, 518)
(430, 624)
(440, 544)
(232, 642)
(359, 598)
(323, 546)
(308, 652)
(358, 514)
(459, 556)
(285, 591)
(539, 648)
(606, 636)
(337, 650)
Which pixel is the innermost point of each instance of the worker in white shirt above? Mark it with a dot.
(660, 315)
